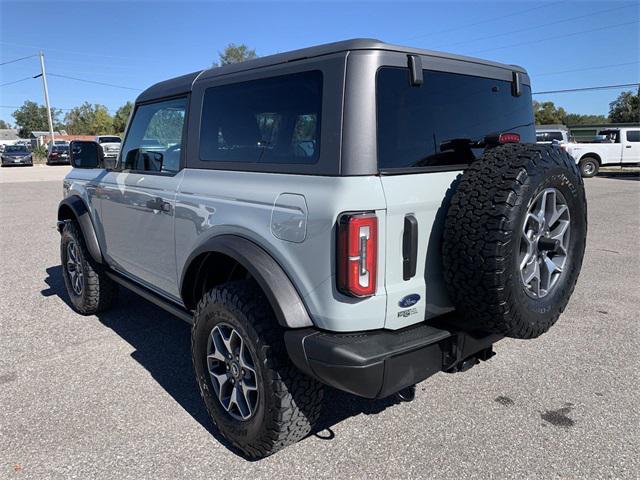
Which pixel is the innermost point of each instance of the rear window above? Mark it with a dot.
(273, 120)
(431, 125)
(109, 140)
(548, 136)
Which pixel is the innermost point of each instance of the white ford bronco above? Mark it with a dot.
(358, 215)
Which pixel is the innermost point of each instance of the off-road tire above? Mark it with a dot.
(481, 240)
(289, 402)
(99, 290)
(589, 167)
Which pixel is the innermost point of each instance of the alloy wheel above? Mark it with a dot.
(545, 243)
(74, 267)
(232, 370)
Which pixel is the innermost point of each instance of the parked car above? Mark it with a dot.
(58, 154)
(614, 147)
(357, 214)
(16, 155)
(110, 146)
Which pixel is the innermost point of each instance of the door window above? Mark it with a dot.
(154, 140)
(633, 136)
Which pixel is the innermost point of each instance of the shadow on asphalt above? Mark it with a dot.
(163, 347)
(622, 175)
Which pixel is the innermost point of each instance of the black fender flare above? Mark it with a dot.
(81, 213)
(285, 300)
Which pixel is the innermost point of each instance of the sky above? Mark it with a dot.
(562, 44)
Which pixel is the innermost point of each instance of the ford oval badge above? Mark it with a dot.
(409, 300)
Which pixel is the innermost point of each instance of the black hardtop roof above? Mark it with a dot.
(184, 83)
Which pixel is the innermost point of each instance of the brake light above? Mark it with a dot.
(509, 138)
(357, 254)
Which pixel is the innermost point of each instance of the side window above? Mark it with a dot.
(272, 120)
(633, 135)
(154, 140)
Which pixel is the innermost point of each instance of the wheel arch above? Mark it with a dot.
(231, 257)
(74, 208)
(593, 155)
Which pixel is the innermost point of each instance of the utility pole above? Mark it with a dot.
(46, 96)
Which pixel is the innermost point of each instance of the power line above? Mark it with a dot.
(533, 27)
(94, 82)
(20, 106)
(584, 89)
(16, 81)
(91, 54)
(598, 67)
(546, 5)
(17, 59)
(556, 37)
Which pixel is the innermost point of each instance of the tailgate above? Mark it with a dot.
(415, 202)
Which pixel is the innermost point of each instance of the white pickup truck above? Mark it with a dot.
(614, 147)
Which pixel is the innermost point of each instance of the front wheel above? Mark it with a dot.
(256, 397)
(90, 289)
(589, 167)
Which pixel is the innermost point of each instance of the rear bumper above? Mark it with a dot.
(379, 363)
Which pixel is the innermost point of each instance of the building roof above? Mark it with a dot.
(184, 83)
(8, 134)
(552, 127)
(40, 133)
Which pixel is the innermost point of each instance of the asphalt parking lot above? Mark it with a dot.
(113, 396)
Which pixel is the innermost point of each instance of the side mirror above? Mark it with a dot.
(86, 154)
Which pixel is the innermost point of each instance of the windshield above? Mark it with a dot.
(438, 123)
(16, 149)
(109, 140)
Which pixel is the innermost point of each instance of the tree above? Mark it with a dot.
(546, 113)
(89, 119)
(121, 118)
(4, 125)
(31, 116)
(235, 54)
(580, 119)
(625, 108)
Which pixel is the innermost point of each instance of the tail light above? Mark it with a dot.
(509, 138)
(53, 154)
(357, 254)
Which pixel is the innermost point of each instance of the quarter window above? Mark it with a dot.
(154, 140)
(274, 120)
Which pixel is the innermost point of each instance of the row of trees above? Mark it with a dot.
(87, 119)
(624, 109)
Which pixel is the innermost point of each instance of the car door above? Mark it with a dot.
(138, 196)
(631, 150)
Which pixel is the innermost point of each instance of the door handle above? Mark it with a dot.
(628, 146)
(158, 204)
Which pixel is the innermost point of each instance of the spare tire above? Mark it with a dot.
(514, 238)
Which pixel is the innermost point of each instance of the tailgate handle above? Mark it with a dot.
(409, 247)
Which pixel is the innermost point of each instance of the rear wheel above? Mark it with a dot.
(256, 397)
(514, 239)
(589, 167)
